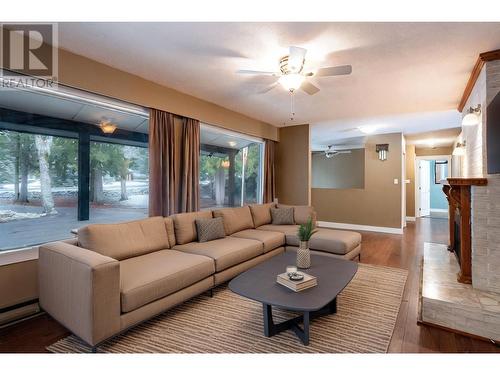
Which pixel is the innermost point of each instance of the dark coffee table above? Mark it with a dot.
(259, 284)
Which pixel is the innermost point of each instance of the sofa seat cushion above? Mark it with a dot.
(329, 240)
(285, 229)
(226, 252)
(270, 240)
(125, 240)
(149, 277)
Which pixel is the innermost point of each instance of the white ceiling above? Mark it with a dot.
(339, 132)
(398, 68)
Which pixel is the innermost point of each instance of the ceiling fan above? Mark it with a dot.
(292, 75)
(330, 152)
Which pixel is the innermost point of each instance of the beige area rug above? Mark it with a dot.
(227, 323)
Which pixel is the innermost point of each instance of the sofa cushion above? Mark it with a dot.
(261, 213)
(149, 277)
(170, 231)
(226, 252)
(125, 240)
(301, 213)
(185, 227)
(285, 229)
(282, 216)
(270, 240)
(329, 240)
(235, 219)
(210, 229)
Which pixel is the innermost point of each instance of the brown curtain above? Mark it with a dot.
(174, 151)
(269, 174)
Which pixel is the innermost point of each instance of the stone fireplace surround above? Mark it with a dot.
(471, 309)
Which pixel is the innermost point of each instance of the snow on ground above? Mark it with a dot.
(9, 215)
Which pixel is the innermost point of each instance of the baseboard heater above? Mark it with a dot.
(11, 314)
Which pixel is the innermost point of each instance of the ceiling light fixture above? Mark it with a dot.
(232, 143)
(367, 129)
(291, 81)
(107, 127)
(472, 118)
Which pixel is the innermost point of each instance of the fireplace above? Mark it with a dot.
(459, 200)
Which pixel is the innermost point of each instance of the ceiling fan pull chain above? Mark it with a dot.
(292, 111)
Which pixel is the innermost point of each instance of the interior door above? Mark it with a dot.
(424, 187)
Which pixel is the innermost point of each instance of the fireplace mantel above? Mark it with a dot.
(459, 201)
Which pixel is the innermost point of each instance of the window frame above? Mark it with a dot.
(260, 141)
(24, 122)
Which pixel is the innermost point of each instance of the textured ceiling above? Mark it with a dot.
(398, 68)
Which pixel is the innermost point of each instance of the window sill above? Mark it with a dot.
(18, 255)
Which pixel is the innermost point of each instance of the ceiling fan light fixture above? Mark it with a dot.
(291, 81)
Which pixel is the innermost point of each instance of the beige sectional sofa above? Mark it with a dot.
(114, 276)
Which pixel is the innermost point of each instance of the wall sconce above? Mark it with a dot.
(107, 127)
(225, 164)
(382, 150)
(472, 118)
(459, 149)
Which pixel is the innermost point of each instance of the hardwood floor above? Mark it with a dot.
(403, 251)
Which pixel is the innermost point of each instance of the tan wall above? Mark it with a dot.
(80, 72)
(293, 165)
(410, 175)
(343, 171)
(433, 151)
(18, 283)
(379, 203)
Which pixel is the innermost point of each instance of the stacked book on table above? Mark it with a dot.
(307, 282)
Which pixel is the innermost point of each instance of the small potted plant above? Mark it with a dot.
(303, 254)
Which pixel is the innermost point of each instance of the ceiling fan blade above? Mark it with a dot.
(309, 88)
(334, 71)
(267, 89)
(244, 71)
(296, 58)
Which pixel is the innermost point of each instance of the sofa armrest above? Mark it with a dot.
(81, 289)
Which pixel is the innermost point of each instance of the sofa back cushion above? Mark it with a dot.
(301, 213)
(125, 240)
(170, 231)
(185, 227)
(261, 213)
(235, 219)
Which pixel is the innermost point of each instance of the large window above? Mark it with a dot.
(59, 171)
(230, 169)
(38, 187)
(119, 182)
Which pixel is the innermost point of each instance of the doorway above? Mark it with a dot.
(431, 174)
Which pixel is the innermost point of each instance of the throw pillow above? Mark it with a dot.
(282, 216)
(210, 229)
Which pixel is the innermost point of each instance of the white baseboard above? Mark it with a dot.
(439, 210)
(411, 218)
(368, 228)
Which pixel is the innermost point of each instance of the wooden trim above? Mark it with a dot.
(465, 181)
(481, 60)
